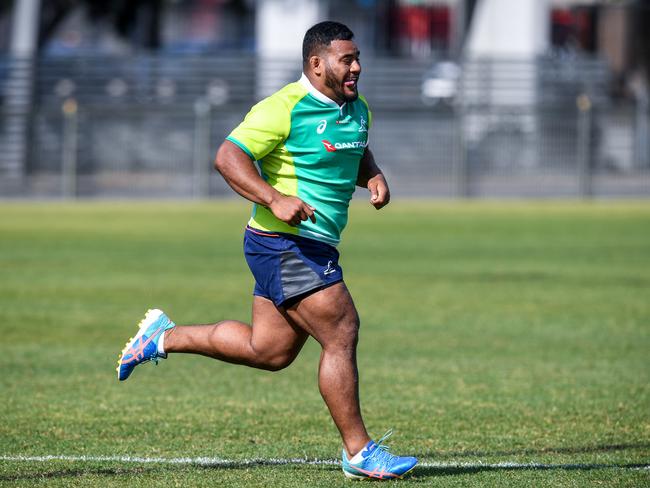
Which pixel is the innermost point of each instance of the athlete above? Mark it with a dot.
(310, 140)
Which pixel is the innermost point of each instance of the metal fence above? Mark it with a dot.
(148, 127)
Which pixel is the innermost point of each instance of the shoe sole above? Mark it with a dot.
(355, 477)
(149, 318)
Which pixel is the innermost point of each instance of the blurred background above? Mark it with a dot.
(471, 98)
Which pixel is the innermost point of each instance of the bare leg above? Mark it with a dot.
(275, 339)
(331, 318)
(271, 343)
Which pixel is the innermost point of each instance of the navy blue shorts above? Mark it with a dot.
(288, 267)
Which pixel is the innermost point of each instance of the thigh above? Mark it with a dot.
(328, 315)
(273, 331)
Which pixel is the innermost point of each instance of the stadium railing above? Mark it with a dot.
(148, 126)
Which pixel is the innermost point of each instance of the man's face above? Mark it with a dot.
(342, 70)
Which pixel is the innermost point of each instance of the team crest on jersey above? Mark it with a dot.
(364, 125)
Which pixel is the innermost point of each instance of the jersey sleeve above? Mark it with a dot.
(266, 125)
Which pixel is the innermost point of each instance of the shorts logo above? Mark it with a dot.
(328, 145)
(330, 268)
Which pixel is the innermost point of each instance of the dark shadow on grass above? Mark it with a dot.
(430, 471)
(529, 452)
(422, 472)
(262, 463)
(75, 473)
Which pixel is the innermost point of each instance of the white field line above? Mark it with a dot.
(213, 461)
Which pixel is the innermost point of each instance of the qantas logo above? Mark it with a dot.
(343, 145)
(329, 146)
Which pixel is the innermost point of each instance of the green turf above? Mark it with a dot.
(491, 332)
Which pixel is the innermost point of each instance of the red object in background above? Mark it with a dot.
(424, 23)
(440, 22)
(585, 19)
(562, 27)
(416, 22)
(574, 28)
(562, 17)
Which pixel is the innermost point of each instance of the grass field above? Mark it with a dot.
(507, 344)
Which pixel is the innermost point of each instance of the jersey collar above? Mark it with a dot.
(304, 81)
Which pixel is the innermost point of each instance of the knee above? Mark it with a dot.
(347, 336)
(276, 362)
(351, 332)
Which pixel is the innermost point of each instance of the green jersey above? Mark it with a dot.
(307, 146)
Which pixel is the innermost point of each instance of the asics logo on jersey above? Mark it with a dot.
(322, 125)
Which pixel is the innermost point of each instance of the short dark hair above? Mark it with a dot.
(321, 35)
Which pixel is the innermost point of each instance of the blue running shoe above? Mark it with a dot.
(144, 346)
(378, 463)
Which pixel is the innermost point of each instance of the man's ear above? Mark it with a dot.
(316, 65)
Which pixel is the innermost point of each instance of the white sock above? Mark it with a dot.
(358, 456)
(161, 344)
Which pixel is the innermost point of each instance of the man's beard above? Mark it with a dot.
(336, 86)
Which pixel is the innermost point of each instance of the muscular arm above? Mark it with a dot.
(240, 173)
(371, 177)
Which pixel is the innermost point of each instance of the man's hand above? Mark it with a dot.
(371, 177)
(379, 192)
(291, 210)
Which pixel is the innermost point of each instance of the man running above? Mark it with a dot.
(310, 140)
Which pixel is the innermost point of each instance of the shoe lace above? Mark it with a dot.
(381, 454)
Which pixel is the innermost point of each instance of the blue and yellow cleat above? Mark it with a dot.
(377, 463)
(144, 346)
